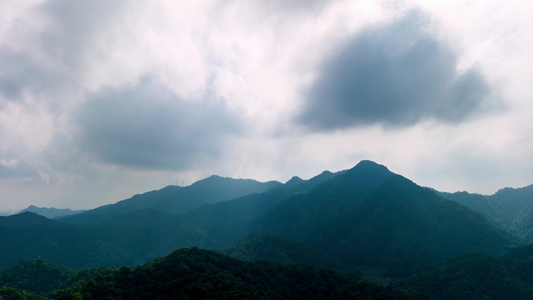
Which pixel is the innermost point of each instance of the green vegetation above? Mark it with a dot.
(478, 276)
(42, 277)
(71, 246)
(194, 273)
(200, 274)
(510, 209)
(7, 293)
(260, 246)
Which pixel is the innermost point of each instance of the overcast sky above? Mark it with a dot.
(100, 100)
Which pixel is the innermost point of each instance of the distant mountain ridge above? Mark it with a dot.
(50, 212)
(175, 199)
(509, 208)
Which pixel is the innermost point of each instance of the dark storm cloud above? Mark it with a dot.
(395, 75)
(148, 127)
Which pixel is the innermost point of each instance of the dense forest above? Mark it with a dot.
(192, 273)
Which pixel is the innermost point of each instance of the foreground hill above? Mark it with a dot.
(372, 217)
(8, 293)
(478, 276)
(200, 274)
(42, 277)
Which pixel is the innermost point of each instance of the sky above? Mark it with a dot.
(101, 100)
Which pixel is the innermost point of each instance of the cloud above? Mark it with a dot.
(396, 75)
(17, 169)
(74, 28)
(148, 127)
(15, 74)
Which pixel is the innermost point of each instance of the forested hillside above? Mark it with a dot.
(372, 217)
(200, 274)
(478, 276)
(42, 277)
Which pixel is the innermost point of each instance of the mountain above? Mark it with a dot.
(510, 209)
(229, 220)
(296, 185)
(28, 235)
(523, 226)
(15, 294)
(175, 199)
(372, 217)
(200, 274)
(50, 213)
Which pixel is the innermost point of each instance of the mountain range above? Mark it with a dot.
(365, 220)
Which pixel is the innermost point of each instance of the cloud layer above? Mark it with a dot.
(396, 75)
(100, 100)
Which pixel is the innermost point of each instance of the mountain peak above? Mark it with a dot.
(294, 180)
(370, 165)
(367, 173)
